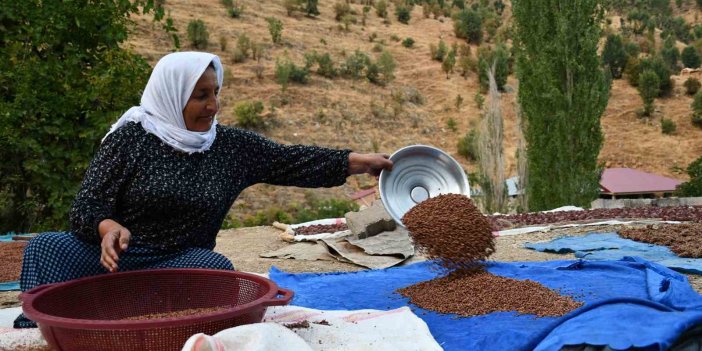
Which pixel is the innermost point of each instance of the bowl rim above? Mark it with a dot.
(384, 174)
(47, 320)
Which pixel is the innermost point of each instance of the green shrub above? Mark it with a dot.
(468, 145)
(670, 53)
(614, 55)
(243, 44)
(197, 34)
(408, 42)
(311, 58)
(479, 100)
(312, 210)
(386, 66)
(632, 49)
(467, 64)
(355, 65)
(697, 103)
(649, 87)
(326, 66)
(692, 86)
(668, 126)
(440, 51)
(631, 71)
(341, 9)
(299, 74)
(248, 114)
(236, 10)
(693, 187)
(310, 7)
(381, 8)
(449, 63)
(500, 57)
(690, 57)
(657, 65)
(373, 73)
(467, 24)
(696, 120)
(275, 28)
(283, 70)
(451, 125)
(403, 14)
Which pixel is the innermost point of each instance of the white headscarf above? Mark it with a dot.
(165, 96)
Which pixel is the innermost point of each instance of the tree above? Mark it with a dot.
(491, 151)
(670, 53)
(499, 57)
(690, 57)
(197, 34)
(657, 65)
(614, 55)
(275, 27)
(310, 7)
(403, 14)
(449, 62)
(64, 80)
(381, 8)
(467, 24)
(649, 88)
(693, 187)
(562, 94)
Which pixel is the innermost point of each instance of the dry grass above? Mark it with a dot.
(338, 113)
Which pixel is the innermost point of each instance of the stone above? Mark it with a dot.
(370, 221)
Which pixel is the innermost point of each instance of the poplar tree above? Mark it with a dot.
(563, 92)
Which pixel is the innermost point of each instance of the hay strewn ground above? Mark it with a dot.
(243, 246)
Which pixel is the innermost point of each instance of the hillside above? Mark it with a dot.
(366, 117)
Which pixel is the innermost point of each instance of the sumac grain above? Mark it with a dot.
(683, 239)
(11, 254)
(181, 313)
(479, 292)
(451, 229)
(320, 228)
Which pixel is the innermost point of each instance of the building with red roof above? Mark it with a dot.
(628, 182)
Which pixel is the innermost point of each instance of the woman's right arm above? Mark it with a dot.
(93, 216)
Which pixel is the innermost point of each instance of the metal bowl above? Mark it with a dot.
(419, 173)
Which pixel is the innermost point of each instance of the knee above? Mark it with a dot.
(216, 260)
(222, 262)
(45, 240)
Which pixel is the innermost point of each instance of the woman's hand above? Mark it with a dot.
(115, 240)
(369, 163)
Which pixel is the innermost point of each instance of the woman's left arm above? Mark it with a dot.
(306, 166)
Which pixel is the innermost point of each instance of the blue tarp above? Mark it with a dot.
(610, 246)
(9, 286)
(627, 303)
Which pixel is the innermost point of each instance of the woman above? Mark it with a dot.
(165, 176)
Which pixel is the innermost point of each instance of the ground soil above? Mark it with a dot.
(243, 246)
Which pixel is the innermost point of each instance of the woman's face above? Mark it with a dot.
(203, 104)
